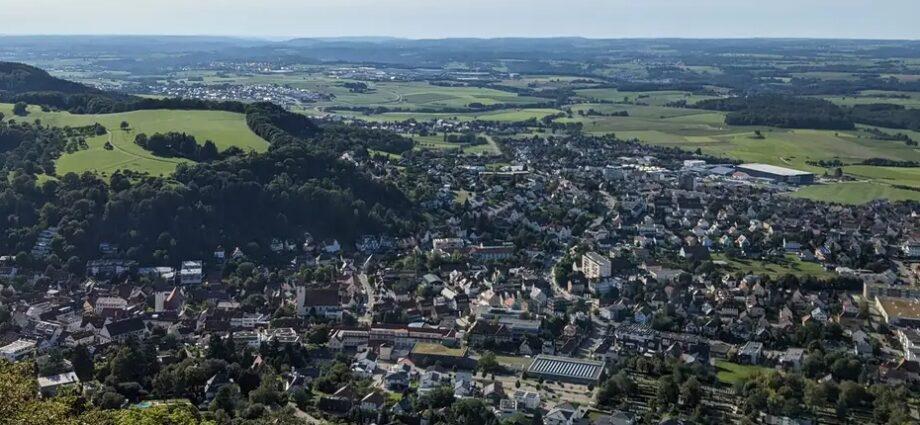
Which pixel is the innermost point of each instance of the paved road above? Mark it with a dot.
(369, 293)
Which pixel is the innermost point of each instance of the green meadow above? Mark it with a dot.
(796, 148)
(225, 129)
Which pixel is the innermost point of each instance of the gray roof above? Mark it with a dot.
(772, 169)
(566, 367)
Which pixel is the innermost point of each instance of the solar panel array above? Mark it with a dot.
(566, 367)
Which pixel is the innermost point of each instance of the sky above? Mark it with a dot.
(468, 18)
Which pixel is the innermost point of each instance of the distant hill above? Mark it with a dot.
(20, 78)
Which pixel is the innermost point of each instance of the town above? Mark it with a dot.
(211, 230)
(596, 283)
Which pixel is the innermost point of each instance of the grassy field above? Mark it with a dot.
(225, 129)
(654, 98)
(705, 130)
(731, 373)
(856, 193)
(392, 94)
(792, 265)
(912, 100)
(437, 142)
(895, 175)
(507, 115)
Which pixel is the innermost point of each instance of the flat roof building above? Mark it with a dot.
(780, 174)
(595, 266)
(17, 350)
(899, 311)
(566, 369)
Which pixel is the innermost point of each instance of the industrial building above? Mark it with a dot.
(780, 174)
(566, 369)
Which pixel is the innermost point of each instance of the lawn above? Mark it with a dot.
(225, 129)
(792, 265)
(438, 349)
(731, 373)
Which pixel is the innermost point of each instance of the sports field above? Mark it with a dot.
(225, 129)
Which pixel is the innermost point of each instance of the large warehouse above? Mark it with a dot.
(780, 174)
(566, 369)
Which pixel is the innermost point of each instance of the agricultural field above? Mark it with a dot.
(506, 115)
(655, 98)
(907, 99)
(705, 130)
(225, 129)
(408, 95)
(856, 193)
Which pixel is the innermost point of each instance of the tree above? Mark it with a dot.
(82, 362)
(471, 412)
(488, 363)
(267, 393)
(438, 398)
(208, 152)
(668, 391)
(20, 109)
(691, 392)
(301, 398)
(226, 399)
(124, 126)
(53, 365)
(109, 400)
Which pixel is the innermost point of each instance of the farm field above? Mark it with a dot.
(396, 94)
(705, 130)
(506, 115)
(901, 176)
(908, 99)
(856, 193)
(225, 129)
(791, 265)
(655, 98)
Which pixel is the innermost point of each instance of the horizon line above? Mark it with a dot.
(281, 38)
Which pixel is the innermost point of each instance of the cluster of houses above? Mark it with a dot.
(580, 254)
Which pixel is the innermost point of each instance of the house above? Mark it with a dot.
(48, 386)
(396, 382)
(18, 350)
(750, 353)
(318, 302)
(561, 414)
(494, 393)
(122, 330)
(373, 402)
(792, 358)
(527, 399)
(191, 273)
(695, 253)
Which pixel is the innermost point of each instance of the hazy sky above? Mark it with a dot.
(468, 18)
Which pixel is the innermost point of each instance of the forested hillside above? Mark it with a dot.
(781, 111)
(239, 199)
